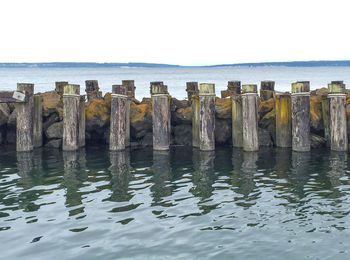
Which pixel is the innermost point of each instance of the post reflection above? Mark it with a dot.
(300, 172)
(203, 174)
(161, 176)
(338, 164)
(120, 170)
(74, 163)
(244, 167)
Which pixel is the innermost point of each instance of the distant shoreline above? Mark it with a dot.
(323, 63)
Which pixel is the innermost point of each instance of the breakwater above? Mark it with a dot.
(64, 118)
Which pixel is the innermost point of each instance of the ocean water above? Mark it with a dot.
(182, 204)
(175, 78)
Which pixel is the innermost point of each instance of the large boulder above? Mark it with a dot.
(317, 141)
(140, 120)
(4, 113)
(223, 131)
(108, 98)
(55, 131)
(223, 108)
(55, 143)
(52, 103)
(268, 122)
(316, 113)
(176, 104)
(265, 107)
(183, 135)
(182, 116)
(264, 137)
(12, 120)
(97, 115)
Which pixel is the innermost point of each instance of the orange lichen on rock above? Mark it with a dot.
(265, 107)
(223, 108)
(139, 112)
(108, 98)
(52, 102)
(97, 113)
(316, 112)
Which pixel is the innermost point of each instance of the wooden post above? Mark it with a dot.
(283, 120)
(38, 121)
(250, 118)
(234, 87)
(71, 117)
(191, 89)
(127, 117)
(301, 116)
(337, 112)
(195, 120)
(82, 121)
(207, 117)
(25, 111)
(325, 118)
(60, 87)
(118, 118)
(267, 89)
(161, 116)
(237, 121)
(92, 90)
(130, 86)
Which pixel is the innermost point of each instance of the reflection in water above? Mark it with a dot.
(300, 172)
(74, 175)
(120, 170)
(283, 161)
(244, 168)
(161, 176)
(25, 163)
(338, 163)
(203, 174)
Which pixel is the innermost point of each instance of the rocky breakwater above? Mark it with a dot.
(97, 113)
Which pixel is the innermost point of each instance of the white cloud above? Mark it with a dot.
(178, 32)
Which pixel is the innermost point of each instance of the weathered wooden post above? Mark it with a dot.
(233, 87)
(60, 87)
(207, 117)
(237, 120)
(38, 120)
(82, 121)
(283, 120)
(301, 116)
(191, 89)
(25, 111)
(92, 90)
(71, 117)
(127, 117)
(195, 120)
(161, 116)
(130, 86)
(337, 112)
(325, 118)
(267, 89)
(250, 118)
(118, 118)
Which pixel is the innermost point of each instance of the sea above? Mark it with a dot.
(175, 78)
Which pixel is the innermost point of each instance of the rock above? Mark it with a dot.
(265, 107)
(177, 104)
(266, 94)
(108, 98)
(182, 116)
(223, 131)
(317, 141)
(55, 143)
(11, 136)
(183, 135)
(4, 113)
(223, 108)
(140, 120)
(55, 131)
(12, 121)
(264, 137)
(268, 122)
(54, 117)
(97, 115)
(147, 140)
(225, 93)
(52, 103)
(316, 114)
(147, 101)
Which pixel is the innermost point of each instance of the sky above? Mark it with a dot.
(184, 32)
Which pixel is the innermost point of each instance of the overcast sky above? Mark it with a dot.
(186, 32)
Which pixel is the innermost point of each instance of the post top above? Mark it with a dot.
(27, 87)
(119, 89)
(267, 85)
(206, 88)
(72, 89)
(128, 82)
(336, 87)
(300, 86)
(249, 88)
(157, 87)
(192, 86)
(284, 94)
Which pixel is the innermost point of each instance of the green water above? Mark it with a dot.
(182, 204)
